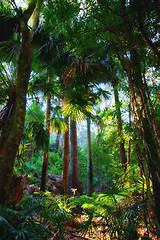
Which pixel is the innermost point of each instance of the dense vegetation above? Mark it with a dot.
(79, 119)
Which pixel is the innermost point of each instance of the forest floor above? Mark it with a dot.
(95, 230)
(98, 235)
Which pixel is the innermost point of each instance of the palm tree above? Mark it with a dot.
(80, 98)
(89, 160)
(74, 176)
(65, 170)
(46, 152)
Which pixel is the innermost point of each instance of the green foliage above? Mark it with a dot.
(55, 162)
(33, 166)
(105, 212)
(82, 164)
(30, 219)
(58, 125)
(41, 216)
(34, 130)
(39, 135)
(77, 103)
(34, 114)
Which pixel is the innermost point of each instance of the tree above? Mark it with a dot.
(46, 151)
(74, 156)
(65, 171)
(89, 160)
(119, 121)
(117, 31)
(144, 114)
(13, 136)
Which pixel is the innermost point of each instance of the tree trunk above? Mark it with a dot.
(74, 156)
(46, 153)
(65, 171)
(129, 142)
(16, 123)
(153, 119)
(119, 121)
(89, 167)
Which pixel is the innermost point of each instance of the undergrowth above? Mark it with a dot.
(42, 216)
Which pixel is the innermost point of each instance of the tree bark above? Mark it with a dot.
(65, 172)
(46, 152)
(119, 121)
(129, 142)
(74, 156)
(89, 159)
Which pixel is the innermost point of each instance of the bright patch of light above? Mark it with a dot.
(21, 3)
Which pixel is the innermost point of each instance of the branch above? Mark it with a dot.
(36, 16)
(28, 13)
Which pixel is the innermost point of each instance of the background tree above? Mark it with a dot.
(89, 159)
(65, 171)
(46, 151)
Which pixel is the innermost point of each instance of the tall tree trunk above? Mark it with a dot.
(143, 112)
(119, 121)
(74, 156)
(16, 124)
(129, 142)
(89, 159)
(46, 152)
(65, 171)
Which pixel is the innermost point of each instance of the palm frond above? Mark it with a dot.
(45, 88)
(58, 125)
(7, 78)
(9, 50)
(3, 95)
(76, 111)
(39, 135)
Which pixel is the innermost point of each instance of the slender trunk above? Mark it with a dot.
(65, 172)
(129, 142)
(46, 153)
(89, 167)
(74, 156)
(119, 121)
(16, 123)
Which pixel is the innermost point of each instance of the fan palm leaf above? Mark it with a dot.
(8, 97)
(9, 50)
